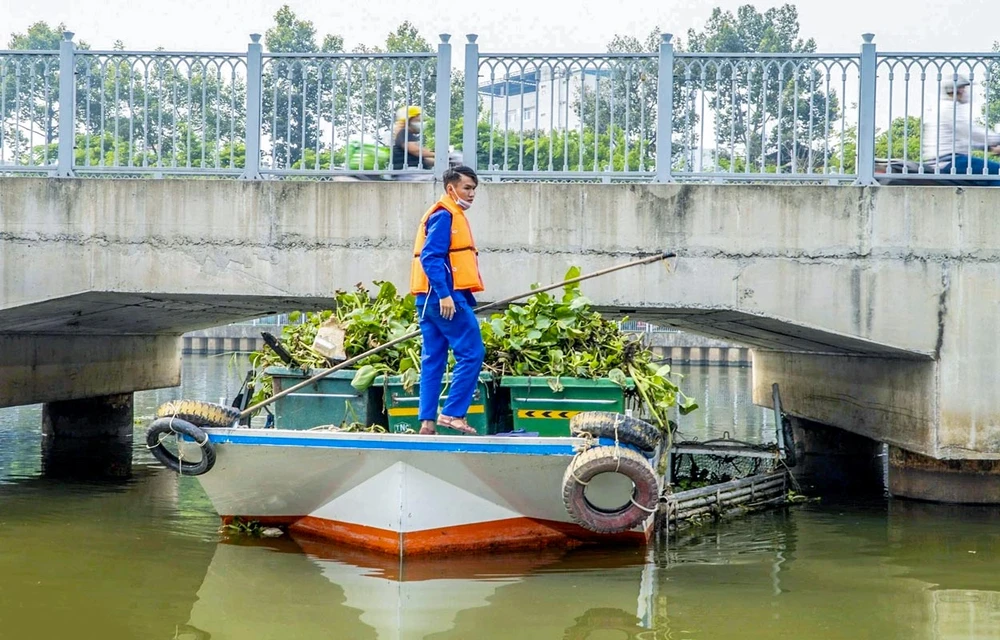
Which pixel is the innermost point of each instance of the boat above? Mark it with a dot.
(411, 494)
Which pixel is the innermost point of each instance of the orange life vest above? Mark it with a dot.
(462, 253)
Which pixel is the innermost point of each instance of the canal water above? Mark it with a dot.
(143, 559)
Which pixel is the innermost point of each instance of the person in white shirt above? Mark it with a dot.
(951, 137)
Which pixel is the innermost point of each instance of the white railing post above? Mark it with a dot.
(255, 76)
(866, 114)
(442, 108)
(67, 104)
(665, 109)
(470, 106)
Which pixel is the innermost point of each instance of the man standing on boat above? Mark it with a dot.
(444, 275)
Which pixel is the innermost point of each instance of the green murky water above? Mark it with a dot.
(143, 560)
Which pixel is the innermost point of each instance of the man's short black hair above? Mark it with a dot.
(453, 175)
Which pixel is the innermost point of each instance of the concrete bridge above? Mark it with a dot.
(875, 309)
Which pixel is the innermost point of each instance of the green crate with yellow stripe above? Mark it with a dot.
(402, 404)
(546, 405)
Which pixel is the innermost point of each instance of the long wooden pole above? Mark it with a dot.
(413, 334)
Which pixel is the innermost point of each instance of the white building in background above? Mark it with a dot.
(543, 99)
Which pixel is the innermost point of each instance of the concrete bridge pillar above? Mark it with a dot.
(88, 438)
(942, 447)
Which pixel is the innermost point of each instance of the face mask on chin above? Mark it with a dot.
(462, 204)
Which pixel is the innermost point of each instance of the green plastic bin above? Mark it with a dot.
(329, 400)
(534, 406)
(402, 405)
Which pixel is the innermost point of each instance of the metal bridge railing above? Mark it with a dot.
(158, 112)
(329, 113)
(765, 116)
(29, 111)
(586, 116)
(916, 101)
(662, 116)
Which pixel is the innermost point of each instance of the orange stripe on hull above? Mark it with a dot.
(353, 534)
(513, 533)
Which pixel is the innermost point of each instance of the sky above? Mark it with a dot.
(509, 26)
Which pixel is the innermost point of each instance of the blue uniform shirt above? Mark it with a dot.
(436, 263)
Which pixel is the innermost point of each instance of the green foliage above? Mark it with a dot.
(29, 104)
(562, 150)
(297, 338)
(627, 102)
(129, 112)
(547, 336)
(553, 337)
(322, 162)
(991, 109)
(367, 321)
(292, 92)
(242, 527)
(903, 134)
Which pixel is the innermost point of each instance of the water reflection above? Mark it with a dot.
(363, 595)
(89, 560)
(144, 560)
(873, 570)
(725, 406)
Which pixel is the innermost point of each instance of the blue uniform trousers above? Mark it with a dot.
(461, 334)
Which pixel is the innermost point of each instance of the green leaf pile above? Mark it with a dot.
(367, 320)
(548, 336)
(563, 336)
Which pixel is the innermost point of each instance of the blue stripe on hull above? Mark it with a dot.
(471, 446)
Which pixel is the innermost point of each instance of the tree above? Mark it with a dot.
(29, 92)
(386, 84)
(130, 111)
(900, 141)
(991, 110)
(171, 112)
(774, 112)
(628, 101)
(294, 89)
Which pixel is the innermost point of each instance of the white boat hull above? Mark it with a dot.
(403, 494)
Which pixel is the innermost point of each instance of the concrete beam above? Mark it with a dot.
(887, 400)
(49, 368)
(804, 268)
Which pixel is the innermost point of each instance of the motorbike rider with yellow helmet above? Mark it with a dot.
(406, 137)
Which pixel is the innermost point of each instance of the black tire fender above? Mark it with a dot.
(164, 426)
(604, 424)
(200, 414)
(595, 461)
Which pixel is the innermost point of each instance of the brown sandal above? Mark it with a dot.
(427, 428)
(458, 424)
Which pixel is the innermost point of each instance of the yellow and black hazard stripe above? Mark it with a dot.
(398, 412)
(540, 414)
